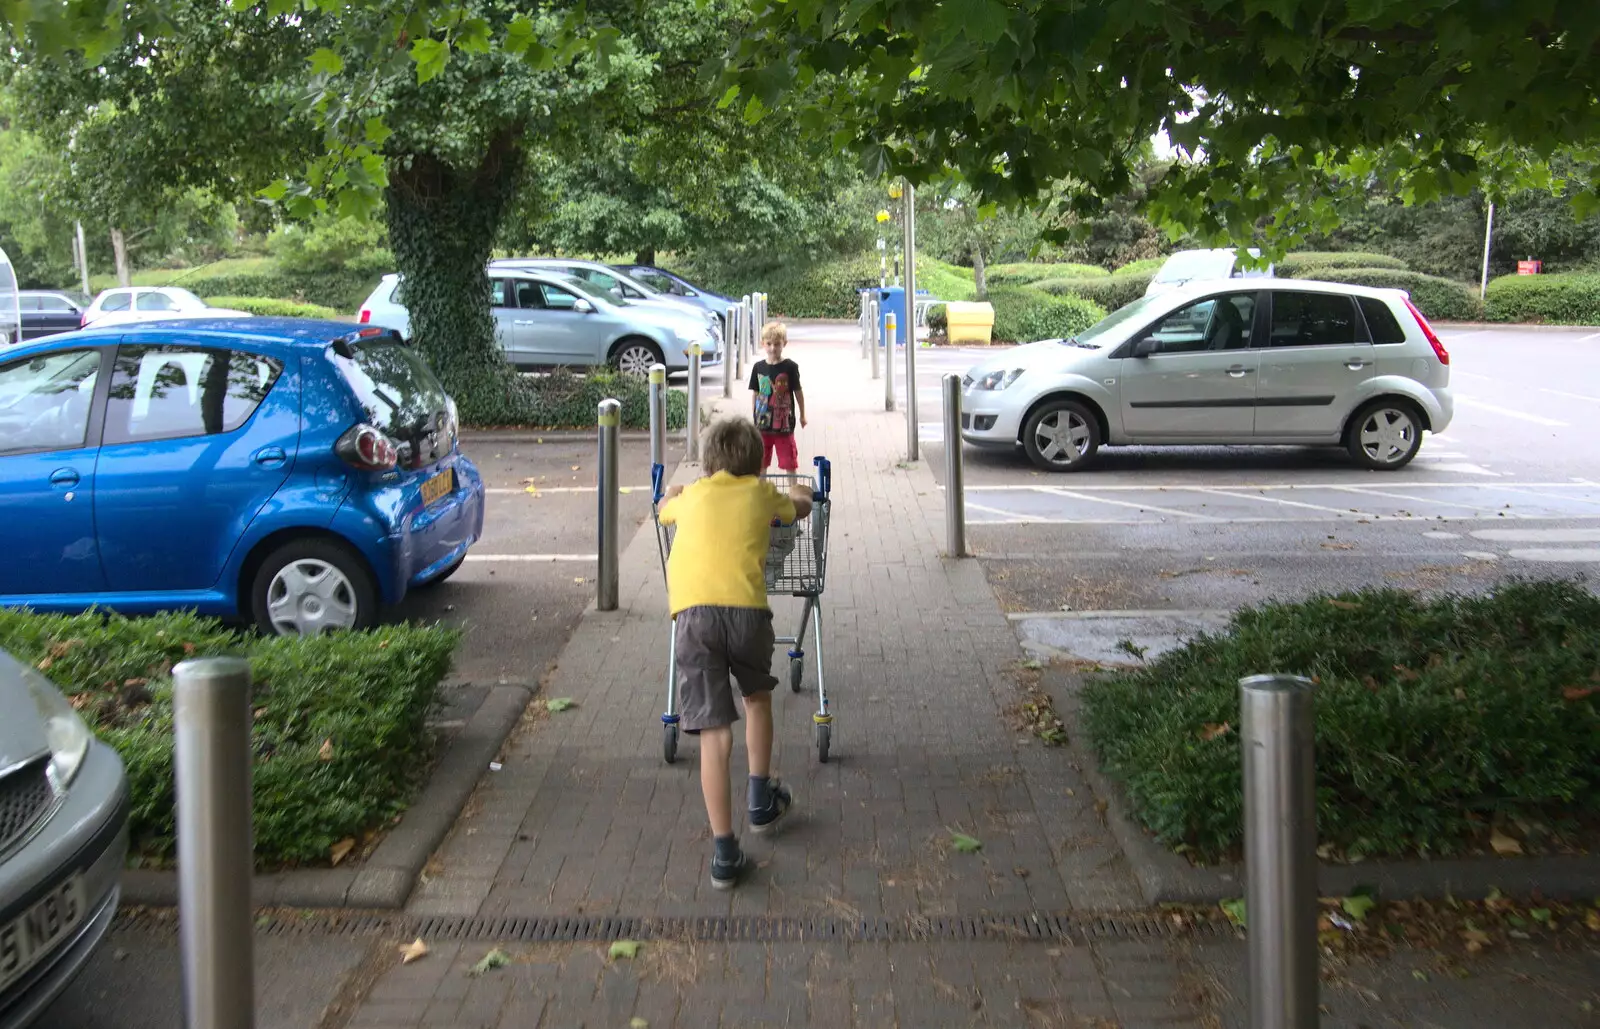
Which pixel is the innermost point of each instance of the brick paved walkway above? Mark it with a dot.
(586, 819)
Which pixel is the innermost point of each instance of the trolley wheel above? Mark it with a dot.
(797, 669)
(669, 742)
(824, 741)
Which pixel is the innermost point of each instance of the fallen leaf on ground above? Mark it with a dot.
(1211, 730)
(325, 752)
(576, 467)
(341, 850)
(1338, 546)
(1357, 906)
(964, 843)
(624, 949)
(556, 705)
(1579, 692)
(1235, 911)
(496, 958)
(638, 1023)
(1344, 605)
(413, 950)
(1504, 844)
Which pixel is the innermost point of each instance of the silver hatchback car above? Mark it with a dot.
(1267, 361)
(63, 841)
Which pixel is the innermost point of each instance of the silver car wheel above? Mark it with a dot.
(1387, 435)
(309, 597)
(635, 359)
(1062, 437)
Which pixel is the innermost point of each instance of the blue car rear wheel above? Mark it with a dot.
(310, 586)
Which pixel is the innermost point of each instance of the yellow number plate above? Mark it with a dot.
(441, 485)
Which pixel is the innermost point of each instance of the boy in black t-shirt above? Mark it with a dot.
(775, 392)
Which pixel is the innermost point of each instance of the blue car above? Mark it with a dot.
(673, 285)
(296, 474)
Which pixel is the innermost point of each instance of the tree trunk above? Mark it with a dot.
(645, 256)
(442, 225)
(980, 275)
(119, 246)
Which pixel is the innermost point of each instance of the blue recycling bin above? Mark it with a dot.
(893, 298)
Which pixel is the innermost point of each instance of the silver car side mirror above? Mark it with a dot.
(583, 306)
(1145, 347)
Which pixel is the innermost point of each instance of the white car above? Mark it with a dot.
(1261, 361)
(1188, 266)
(151, 304)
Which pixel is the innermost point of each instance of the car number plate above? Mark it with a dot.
(441, 485)
(25, 940)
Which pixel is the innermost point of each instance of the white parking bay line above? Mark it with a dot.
(1575, 555)
(1011, 517)
(1342, 512)
(1365, 491)
(534, 490)
(1538, 535)
(1507, 412)
(533, 558)
(1056, 490)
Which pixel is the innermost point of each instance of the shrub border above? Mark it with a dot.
(386, 879)
(1168, 878)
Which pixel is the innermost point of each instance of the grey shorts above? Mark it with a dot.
(717, 647)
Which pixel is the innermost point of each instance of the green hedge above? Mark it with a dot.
(1110, 292)
(340, 739)
(1309, 264)
(1023, 314)
(565, 399)
(342, 290)
(1571, 298)
(270, 308)
(1144, 266)
(1434, 719)
(946, 281)
(1442, 299)
(1027, 273)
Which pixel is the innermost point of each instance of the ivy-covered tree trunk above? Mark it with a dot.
(646, 255)
(442, 225)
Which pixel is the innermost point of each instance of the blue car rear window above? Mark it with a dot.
(395, 386)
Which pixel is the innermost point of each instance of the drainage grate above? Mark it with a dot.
(706, 928)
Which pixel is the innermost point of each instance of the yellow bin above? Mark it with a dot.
(969, 322)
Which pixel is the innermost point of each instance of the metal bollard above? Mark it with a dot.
(658, 414)
(955, 486)
(216, 849)
(606, 479)
(691, 444)
(861, 323)
(888, 361)
(730, 367)
(910, 247)
(1277, 733)
(876, 343)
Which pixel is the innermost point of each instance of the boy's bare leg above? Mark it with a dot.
(758, 732)
(716, 753)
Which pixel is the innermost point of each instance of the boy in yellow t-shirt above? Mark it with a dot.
(716, 589)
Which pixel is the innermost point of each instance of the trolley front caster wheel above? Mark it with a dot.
(824, 741)
(669, 743)
(797, 669)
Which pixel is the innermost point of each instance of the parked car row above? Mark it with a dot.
(46, 312)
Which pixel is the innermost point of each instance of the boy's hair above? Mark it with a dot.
(732, 445)
(774, 332)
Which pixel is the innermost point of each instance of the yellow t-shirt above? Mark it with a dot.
(720, 549)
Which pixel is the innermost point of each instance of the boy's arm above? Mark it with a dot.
(665, 513)
(800, 402)
(801, 495)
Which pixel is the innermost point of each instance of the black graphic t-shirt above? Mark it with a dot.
(775, 386)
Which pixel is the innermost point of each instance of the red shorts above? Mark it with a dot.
(781, 444)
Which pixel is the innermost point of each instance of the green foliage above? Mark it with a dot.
(1443, 299)
(1563, 299)
(271, 308)
(564, 399)
(1110, 291)
(1023, 314)
(1144, 266)
(1433, 718)
(339, 735)
(945, 281)
(331, 246)
(1309, 264)
(1026, 274)
(822, 289)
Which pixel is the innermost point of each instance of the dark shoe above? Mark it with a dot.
(764, 821)
(725, 875)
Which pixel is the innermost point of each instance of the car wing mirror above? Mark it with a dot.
(583, 306)
(1145, 347)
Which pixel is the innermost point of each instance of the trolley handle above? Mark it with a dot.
(824, 478)
(657, 473)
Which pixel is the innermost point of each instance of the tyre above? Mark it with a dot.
(449, 570)
(669, 741)
(310, 586)
(797, 669)
(634, 356)
(1061, 436)
(824, 741)
(1385, 435)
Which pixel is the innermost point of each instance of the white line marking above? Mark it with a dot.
(1583, 555)
(535, 490)
(535, 558)
(1197, 516)
(1340, 511)
(1442, 535)
(1592, 335)
(1158, 487)
(1508, 517)
(1538, 535)
(1361, 491)
(1507, 412)
(1460, 468)
(1574, 396)
(1480, 555)
(1177, 612)
(1530, 491)
(1012, 518)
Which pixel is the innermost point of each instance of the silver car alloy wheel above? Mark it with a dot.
(310, 596)
(636, 359)
(1387, 435)
(1062, 437)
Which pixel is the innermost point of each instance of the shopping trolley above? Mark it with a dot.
(796, 566)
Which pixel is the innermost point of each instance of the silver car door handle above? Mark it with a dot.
(522, 321)
(1239, 371)
(1355, 365)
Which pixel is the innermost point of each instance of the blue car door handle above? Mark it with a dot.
(269, 457)
(67, 477)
